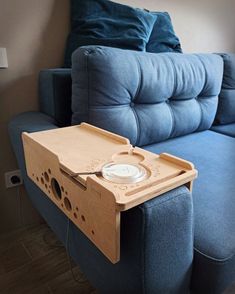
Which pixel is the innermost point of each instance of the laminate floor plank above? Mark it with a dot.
(22, 234)
(33, 261)
(63, 283)
(13, 257)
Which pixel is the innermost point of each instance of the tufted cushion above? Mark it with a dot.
(226, 108)
(143, 96)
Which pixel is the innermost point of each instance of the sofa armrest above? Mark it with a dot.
(156, 237)
(226, 107)
(27, 122)
(156, 248)
(55, 94)
(166, 246)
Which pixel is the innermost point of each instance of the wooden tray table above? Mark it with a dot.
(67, 164)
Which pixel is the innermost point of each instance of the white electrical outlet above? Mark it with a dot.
(13, 178)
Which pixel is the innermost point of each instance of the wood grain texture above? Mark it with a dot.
(32, 260)
(56, 158)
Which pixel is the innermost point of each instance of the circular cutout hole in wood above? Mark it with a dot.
(67, 204)
(83, 218)
(46, 176)
(56, 189)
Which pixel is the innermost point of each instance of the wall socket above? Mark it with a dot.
(13, 178)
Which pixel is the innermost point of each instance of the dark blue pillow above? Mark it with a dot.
(163, 37)
(102, 22)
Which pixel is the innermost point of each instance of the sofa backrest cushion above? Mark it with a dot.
(144, 96)
(103, 22)
(163, 37)
(55, 94)
(226, 108)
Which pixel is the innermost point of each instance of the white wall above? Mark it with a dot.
(34, 33)
(202, 26)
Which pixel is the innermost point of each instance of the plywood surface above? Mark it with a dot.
(55, 160)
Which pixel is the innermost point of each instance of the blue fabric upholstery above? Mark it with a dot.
(55, 94)
(156, 237)
(163, 37)
(228, 129)
(103, 22)
(226, 108)
(214, 206)
(27, 122)
(148, 97)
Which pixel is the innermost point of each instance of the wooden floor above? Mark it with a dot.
(32, 261)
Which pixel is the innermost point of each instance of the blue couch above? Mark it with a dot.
(177, 242)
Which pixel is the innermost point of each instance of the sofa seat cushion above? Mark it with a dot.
(228, 130)
(214, 205)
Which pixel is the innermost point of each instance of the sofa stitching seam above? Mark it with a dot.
(215, 260)
(206, 78)
(199, 58)
(173, 120)
(175, 74)
(137, 126)
(88, 88)
(134, 111)
(206, 97)
(201, 114)
(174, 90)
(139, 84)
